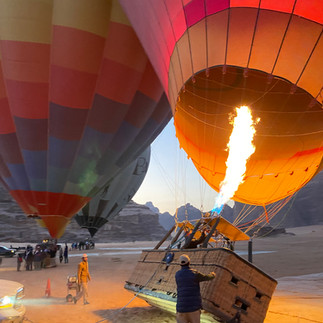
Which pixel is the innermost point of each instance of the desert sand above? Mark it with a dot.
(295, 259)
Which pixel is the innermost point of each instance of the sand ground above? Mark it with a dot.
(294, 259)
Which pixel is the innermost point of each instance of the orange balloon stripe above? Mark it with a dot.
(28, 99)
(123, 47)
(112, 79)
(25, 61)
(48, 203)
(25, 68)
(71, 88)
(76, 49)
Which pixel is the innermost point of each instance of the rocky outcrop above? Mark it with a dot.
(185, 212)
(135, 222)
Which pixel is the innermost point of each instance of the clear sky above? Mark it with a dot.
(172, 179)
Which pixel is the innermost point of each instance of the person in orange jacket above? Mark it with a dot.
(83, 276)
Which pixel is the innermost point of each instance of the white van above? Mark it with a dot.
(11, 308)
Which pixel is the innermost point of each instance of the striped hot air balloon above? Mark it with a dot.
(79, 100)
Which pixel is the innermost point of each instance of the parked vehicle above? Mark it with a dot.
(6, 252)
(11, 308)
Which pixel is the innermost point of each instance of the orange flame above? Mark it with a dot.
(240, 148)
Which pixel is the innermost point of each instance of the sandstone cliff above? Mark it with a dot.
(134, 223)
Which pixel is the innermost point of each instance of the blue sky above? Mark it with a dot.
(172, 179)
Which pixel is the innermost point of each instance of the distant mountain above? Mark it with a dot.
(190, 213)
(153, 208)
(304, 208)
(135, 222)
(165, 219)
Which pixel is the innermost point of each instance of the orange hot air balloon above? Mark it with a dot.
(215, 55)
(79, 101)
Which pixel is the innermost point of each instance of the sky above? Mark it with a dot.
(172, 180)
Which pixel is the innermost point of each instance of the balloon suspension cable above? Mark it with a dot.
(176, 216)
(267, 220)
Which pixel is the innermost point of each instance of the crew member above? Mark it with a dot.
(189, 301)
(83, 276)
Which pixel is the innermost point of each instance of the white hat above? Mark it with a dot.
(184, 260)
(84, 255)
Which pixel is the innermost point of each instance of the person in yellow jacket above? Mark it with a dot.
(83, 276)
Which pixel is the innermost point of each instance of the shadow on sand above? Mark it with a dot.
(135, 314)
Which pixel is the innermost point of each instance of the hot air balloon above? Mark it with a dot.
(114, 197)
(79, 101)
(215, 55)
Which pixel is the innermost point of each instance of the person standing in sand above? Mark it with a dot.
(66, 254)
(189, 301)
(83, 276)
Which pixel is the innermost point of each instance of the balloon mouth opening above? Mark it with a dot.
(202, 126)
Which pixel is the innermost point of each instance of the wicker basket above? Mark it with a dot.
(239, 286)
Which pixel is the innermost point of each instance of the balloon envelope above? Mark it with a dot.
(214, 56)
(79, 101)
(115, 196)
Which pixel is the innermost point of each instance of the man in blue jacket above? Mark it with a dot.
(189, 301)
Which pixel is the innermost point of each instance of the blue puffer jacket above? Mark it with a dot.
(188, 289)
